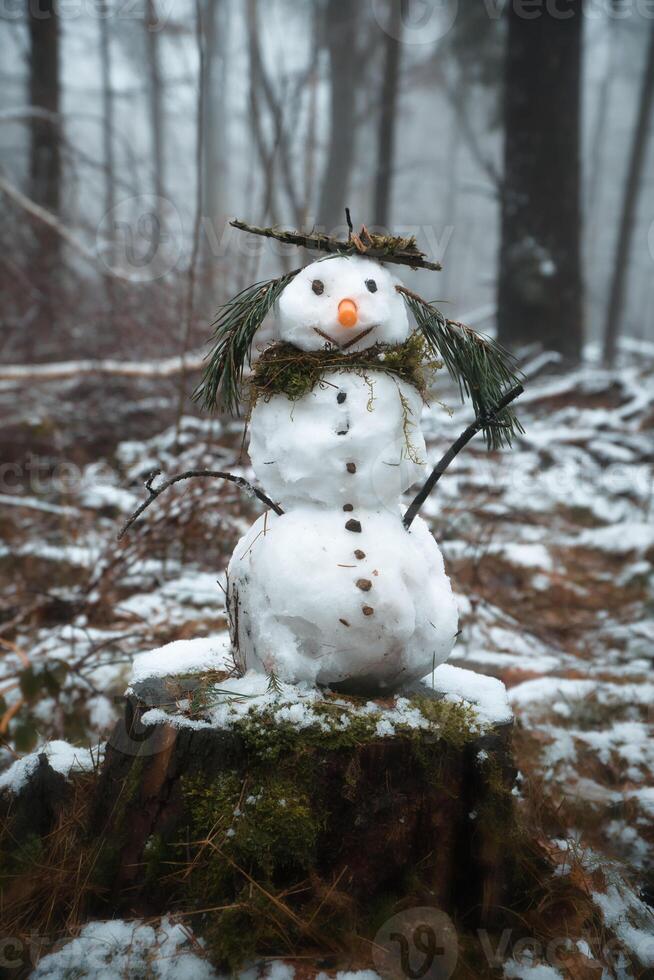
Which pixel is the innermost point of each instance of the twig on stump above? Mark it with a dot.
(401, 251)
(155, 492)
(491, 417)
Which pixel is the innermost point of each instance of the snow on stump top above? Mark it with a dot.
(186, 684)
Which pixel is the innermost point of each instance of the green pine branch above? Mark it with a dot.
(483, 370)
(234, 330)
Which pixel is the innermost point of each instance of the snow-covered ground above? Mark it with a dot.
(550, 548)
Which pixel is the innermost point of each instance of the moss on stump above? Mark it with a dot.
(278, 839)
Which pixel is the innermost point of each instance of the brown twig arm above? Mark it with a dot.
(365, 243)
(155, 492)
(492, 417)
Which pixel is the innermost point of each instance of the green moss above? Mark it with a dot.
(455, 723)
(263, 834)
(16, 860)
(284, 369)
(153, 857)
(264, 825)
(256, 843)
(107, 862)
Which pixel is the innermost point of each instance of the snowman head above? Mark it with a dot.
(349, 302)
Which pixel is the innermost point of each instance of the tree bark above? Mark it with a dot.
(540, 282)
(107, 145)
(388, 117)
(341, 22)
(155, 100)
(615, 308)
(107, 113)
(45, 93)
(214, 124)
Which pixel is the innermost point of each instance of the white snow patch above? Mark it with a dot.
(62, 757)
(351, 975)
(487, 694)
(630, 919)
(298, 704)
(524, 971)
(112, 949)
(182, 657)
(620, 538)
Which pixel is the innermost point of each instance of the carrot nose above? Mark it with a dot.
(347, 313)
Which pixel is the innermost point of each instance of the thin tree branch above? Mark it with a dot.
(155, 492)
(47, 218)
(318, 242)
(480, 422)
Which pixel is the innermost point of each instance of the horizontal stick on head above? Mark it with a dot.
(383, 248)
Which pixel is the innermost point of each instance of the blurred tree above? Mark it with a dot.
(615, 307)
(107, 113)
(155, 96)
(45, 152)
(387, 116)
(540, 284)
(214, 173)
(345, 67)
(44, 94)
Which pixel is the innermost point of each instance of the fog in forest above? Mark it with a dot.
(133, 130)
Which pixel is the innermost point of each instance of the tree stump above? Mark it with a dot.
(294, 822)
(303, 824)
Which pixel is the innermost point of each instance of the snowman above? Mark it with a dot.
(334, 590)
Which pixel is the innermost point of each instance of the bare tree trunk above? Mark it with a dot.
(214, 125)
(540, 282)
(44, 93)
(107, 142)
(615, 309)
(387, 116)
(45, 152)
(310, 147)
(189, 310)
(260, 86)
(155, 97)
(451, 201)
(341, 21)
(107, 111)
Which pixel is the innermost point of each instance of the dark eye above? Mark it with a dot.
(318, 287)
(372, 285)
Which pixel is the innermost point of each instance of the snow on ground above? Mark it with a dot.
(550, 548)
(61, 756)
(162, 949)
(118, 948)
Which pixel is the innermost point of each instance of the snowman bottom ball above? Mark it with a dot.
(360, 605)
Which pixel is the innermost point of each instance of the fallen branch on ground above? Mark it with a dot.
(161, 368)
